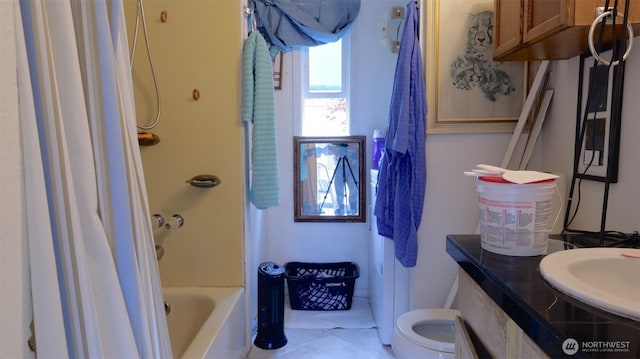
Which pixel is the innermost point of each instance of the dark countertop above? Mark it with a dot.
(546, 315)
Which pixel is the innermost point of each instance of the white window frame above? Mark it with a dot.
(301, 77)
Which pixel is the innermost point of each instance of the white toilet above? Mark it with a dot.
(425, 333)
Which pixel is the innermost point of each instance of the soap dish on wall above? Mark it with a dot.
(204, 181)
(147, 139)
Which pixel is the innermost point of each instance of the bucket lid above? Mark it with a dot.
(502, 180)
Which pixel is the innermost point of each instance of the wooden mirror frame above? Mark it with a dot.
(327, 147)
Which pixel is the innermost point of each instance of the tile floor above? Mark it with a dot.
(331, 335)
(327, 343)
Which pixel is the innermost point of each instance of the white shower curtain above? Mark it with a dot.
(94, 277)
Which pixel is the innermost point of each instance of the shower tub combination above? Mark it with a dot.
(206, 322)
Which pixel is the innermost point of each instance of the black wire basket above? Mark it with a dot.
(321, 286)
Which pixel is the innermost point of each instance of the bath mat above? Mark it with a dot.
(359, 316)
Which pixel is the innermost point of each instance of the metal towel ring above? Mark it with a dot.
(592, 47)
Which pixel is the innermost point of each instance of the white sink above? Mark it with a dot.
(606, 278)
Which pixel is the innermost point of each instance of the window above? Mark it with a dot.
(325, 90)
(327, 172)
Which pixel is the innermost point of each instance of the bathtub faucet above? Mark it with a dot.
(157, 221)
(176, 221)
(159, 252)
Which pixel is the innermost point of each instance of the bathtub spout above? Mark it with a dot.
(167, 308)
(159, 252)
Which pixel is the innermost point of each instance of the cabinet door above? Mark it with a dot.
(508, 26)
(585, 11)
(543, 17)
(464, 348)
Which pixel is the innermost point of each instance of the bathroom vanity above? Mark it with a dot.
(510, 311)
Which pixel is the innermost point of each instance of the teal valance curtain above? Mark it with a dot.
(290, 24)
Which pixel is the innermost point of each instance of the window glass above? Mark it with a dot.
(325, 95)
(325, 117)
(325, 68)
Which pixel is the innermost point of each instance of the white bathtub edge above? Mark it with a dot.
(223, 334)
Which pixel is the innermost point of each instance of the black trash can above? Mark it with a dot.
(270, 307)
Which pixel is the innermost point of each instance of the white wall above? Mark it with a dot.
(254, 254)
(450, 198)
(372, 67)
(624, 197)
(450, 208)
(450, 205)
(450, 202)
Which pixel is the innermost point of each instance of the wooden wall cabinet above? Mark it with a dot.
(549, 29)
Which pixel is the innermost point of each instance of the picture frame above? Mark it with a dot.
(329, 181)
(598, 142)
(463, 97)
(277, 71)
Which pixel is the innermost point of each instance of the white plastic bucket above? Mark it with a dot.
(515, 219)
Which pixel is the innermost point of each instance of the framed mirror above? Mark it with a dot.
(329, 179)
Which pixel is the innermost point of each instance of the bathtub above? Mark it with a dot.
(206, 322)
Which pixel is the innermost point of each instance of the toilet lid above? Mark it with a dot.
(429, 328)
